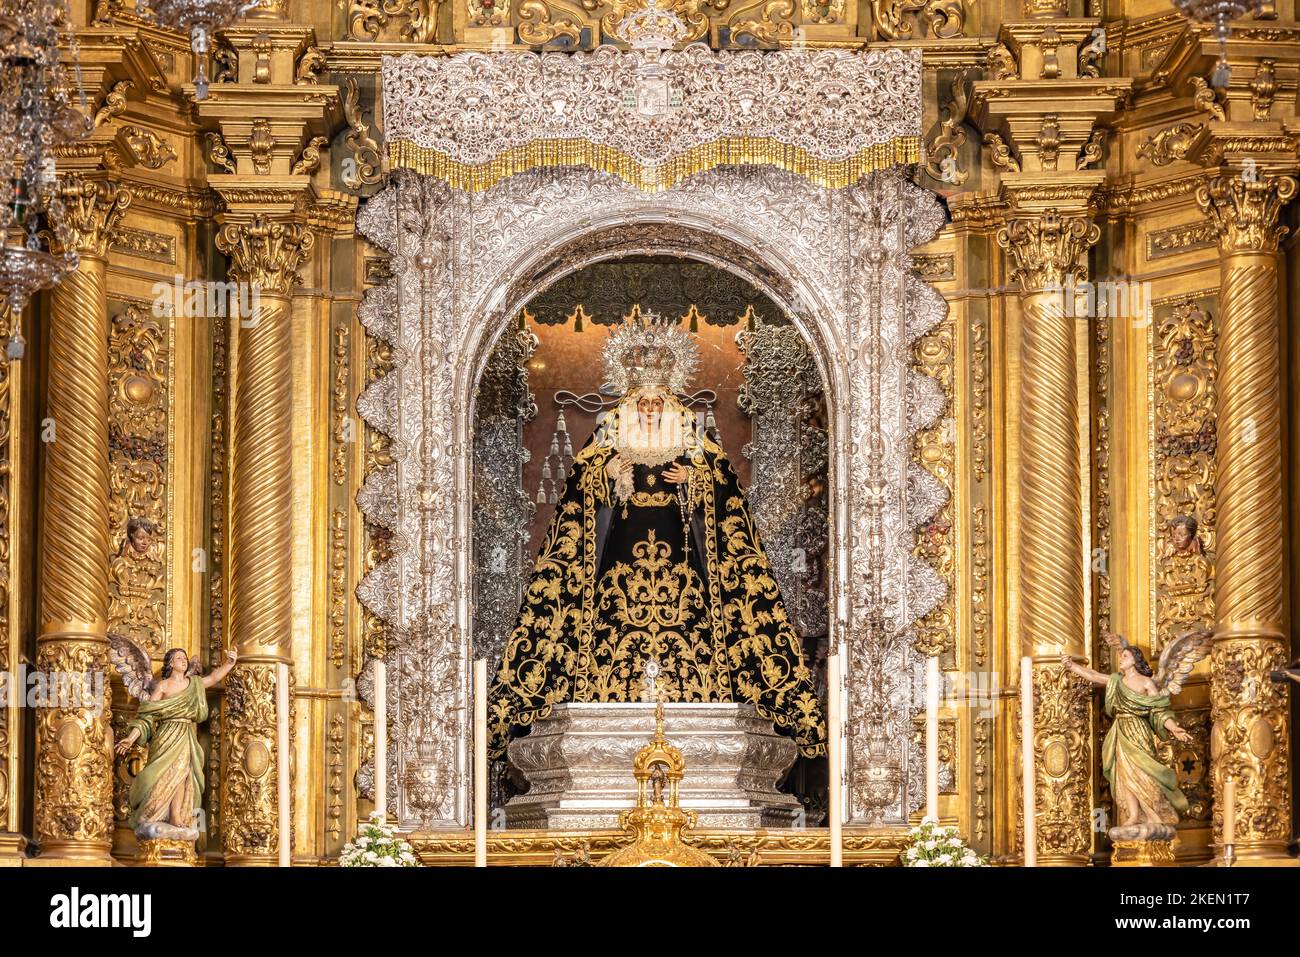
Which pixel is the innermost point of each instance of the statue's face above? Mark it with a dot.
(1181, 536)
(1126, 660)
(650, 404)
(180, 662)
(140, 539)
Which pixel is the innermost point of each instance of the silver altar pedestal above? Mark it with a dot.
(578, 763)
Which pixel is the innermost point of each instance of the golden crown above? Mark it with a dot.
(646, 350)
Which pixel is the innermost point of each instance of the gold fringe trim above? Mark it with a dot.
(736, 151)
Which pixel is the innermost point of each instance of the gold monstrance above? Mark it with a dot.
(657, 820)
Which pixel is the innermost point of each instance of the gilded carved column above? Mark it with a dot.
(74, 741)
(1249, 739)
(265, 255)
(1047, 250)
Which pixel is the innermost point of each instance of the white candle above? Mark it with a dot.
(381, 739)
(282, 745)
(932, 737)
(835, 760)
(1027, 755)
(480, 763)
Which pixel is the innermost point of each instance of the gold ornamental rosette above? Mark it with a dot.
(831, 116)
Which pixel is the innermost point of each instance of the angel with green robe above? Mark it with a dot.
(167, 794)
(1146, 792)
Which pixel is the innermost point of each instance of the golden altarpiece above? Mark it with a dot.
(896, 190)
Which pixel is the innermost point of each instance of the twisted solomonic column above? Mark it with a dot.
(265, 255)
(74, 739)
(1046, 251)
(1249, 739)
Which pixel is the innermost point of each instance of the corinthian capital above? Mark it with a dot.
(91, 210)
(1047, 249)
(1245, 210)
(265, 252)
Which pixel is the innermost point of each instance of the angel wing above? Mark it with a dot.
(133, 664)
(1180, 657)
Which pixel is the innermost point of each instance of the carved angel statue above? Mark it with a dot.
(168, 793)
(1146, 792)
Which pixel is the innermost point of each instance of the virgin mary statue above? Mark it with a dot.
(652, 556)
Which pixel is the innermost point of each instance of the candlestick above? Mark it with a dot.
(836, 760)
(1027, 756)
(480, 763)
(381, 739)
(932, 737)
(282, 745)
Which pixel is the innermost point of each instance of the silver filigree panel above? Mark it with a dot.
(463, 264)
(832, 104)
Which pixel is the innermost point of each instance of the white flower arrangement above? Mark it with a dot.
(378, 846)
(934, 845)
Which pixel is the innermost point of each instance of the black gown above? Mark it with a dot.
(686, 583)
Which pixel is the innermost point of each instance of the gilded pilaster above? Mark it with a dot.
(1249, 741)
(265, 255)
(1047, 251)
(74, 741)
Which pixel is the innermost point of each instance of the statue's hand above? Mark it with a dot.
(616, 467)
(232, 654)
(676, 473)
(1180, 734)
(124, 745)
(1067, 662)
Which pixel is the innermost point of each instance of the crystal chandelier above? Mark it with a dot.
(198, 18)
(1219, 13)
(36, 117)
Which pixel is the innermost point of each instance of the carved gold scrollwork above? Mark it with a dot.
(219, 152)
(539, 24)
(249, 826)
(309, 160)
(74, 770)
(365, 150)
(1206, 99)
(368, 18)
(1062, 759)
(943, 151)
(138, 359)
(933, 451)
(1171, 143)
(1263, 87)
(309, 66)
(1185, 378)
(1000, 154)
(908, 19)
(114, 102)
(1000, 64)
(260, 146)
(777, 20)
